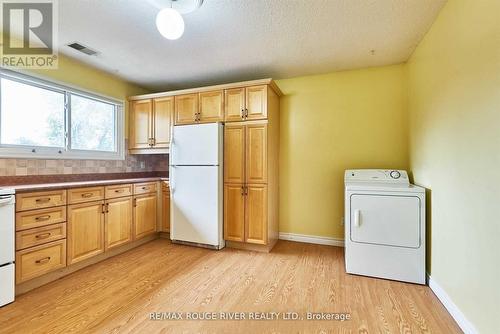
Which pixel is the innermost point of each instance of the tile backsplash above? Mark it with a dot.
(132, 163)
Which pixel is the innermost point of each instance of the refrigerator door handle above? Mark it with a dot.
(172, 182)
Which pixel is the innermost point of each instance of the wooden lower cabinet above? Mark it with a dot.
(245, 213)
(234, 212)
(39, 260)
(144, 215)
(41, 217)
(256, 214)
(40, 235)
(118, 222)
(85, 231)
(50, 238)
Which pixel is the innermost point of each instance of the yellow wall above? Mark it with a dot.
(333, 122)
(82, 76)
(454, 117)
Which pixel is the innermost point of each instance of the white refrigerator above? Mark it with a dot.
(196, 185)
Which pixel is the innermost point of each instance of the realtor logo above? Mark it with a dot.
(29, 33)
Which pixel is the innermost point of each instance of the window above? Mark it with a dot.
(39, 119)
(92, 124)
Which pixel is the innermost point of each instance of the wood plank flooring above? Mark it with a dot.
(118, 294)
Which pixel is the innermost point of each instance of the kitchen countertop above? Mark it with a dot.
(64, 185)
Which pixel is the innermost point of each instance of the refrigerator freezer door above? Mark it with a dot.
(197, 145)
(196, 204)
(7, 284)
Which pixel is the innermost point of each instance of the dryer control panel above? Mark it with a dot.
(393, 176)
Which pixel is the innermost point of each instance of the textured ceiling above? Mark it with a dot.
(232, 40)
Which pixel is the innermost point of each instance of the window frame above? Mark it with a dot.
(66, 152)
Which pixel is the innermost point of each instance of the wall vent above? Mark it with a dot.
(82, 48)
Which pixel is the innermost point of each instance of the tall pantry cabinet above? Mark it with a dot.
(251, 148)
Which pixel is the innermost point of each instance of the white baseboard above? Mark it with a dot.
(466, 326)
(311, 239)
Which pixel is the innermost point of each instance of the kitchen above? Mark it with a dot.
(157, 176)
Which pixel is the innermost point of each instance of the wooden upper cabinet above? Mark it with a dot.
(144, 215)
(85, 231)
(211, 106)
(162, 121)
(234, 153)
(186, 109)
(256, 153)
(234, 100)
(234, 212)
(141, 113)
(118, 222)
(256, 102)
(256, 214)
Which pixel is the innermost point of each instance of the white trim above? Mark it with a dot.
(466, 326)
(311, 239)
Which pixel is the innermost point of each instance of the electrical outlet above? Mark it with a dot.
(143, 164)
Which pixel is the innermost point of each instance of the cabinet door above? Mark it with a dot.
(211, 106)
(186, 108)
(140, 126)
(118, 222)
(256, 102)
(234, 153)
(165, 208)
(256, 214)
(256, 153)
(144, 215)
(85, 231)
(162, 121)
(234, 100)
(234, 212)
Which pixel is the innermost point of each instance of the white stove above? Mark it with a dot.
(7, 246)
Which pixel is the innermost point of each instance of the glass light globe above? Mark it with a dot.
(170, 23)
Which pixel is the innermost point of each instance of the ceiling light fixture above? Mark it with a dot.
(169, 21)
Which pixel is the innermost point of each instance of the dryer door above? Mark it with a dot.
(385, 220)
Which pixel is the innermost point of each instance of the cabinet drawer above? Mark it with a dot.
(119, 190)
(40, 199)
(39, 260)
(81, 195)
(144, 188)
(42, 217)
(40, 235)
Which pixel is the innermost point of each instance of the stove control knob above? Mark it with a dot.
(395, 174)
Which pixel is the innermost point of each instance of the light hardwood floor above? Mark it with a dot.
(118, 294)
